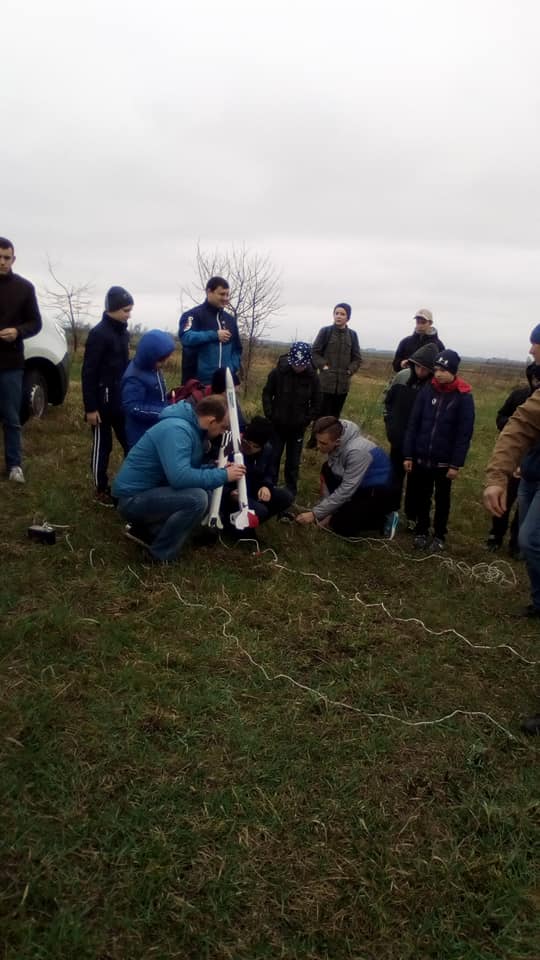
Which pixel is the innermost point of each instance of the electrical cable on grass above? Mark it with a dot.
(328, 701)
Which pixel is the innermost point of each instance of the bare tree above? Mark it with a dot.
(255, 292)
(71, 304)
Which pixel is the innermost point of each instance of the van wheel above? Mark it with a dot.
(35, 395)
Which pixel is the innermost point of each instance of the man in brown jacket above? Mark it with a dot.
(521, 439)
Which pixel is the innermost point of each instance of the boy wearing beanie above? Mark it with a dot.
(336, 355)
(291, 400)
(436, 444)
(105, 360)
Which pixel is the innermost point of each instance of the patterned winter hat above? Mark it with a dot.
(448, 360)
(299, 354)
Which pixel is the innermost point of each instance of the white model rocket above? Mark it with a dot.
(243, 517)
(213, 518)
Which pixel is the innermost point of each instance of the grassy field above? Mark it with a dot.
(213, 759)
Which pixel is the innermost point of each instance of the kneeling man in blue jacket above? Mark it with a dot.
(162, 486)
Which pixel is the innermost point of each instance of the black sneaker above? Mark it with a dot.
(530, 611)
(139, 534)
(531, 725)
(437, 545)
(104, 498)
(421, 541)
(287, 517)
(493, 543)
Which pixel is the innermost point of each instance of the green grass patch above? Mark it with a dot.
(169, 792)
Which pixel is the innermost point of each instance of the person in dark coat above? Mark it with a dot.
(436, 445)
(264, 497)
(144, 394)
(424, 332)
(19, 318)
(336, 355)
(499, 525)
(106, 357)
(291, 401)
(398, 403)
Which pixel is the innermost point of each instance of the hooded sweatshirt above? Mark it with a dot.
(402, 392)
(359, 462)
(169, 454)
(144, 394)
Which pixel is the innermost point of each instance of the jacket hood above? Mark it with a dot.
(182, 411)
(153, 346)
(426, 356)
(432, 332)
(533, 373)
(350, 432)
(457, 384)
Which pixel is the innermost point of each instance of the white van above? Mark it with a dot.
(46, 370)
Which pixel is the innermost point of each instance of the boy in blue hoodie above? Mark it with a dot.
(144, 394)
(162, 486)
(436, 444)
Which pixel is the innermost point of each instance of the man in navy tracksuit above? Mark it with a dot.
(436, 444)
(209, 335)
(106, 357)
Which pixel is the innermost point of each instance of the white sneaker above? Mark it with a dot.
(16, 475)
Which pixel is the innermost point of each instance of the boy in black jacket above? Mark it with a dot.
(291, 400)
(106, 357)
(264, 498)
(499, 525)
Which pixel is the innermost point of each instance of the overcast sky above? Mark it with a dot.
(384, 153)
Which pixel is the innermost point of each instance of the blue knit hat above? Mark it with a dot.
(299, 354)
(448, 360)
(346, 307)
(535, 334)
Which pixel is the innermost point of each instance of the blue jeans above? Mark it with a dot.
(529, 533)
(168, 515)
(10, 414)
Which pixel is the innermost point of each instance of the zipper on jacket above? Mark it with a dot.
(220, 327)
